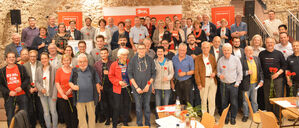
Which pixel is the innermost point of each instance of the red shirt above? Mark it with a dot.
(14, 79)
(63, 79)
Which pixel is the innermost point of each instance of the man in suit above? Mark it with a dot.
(34, 107)
(16, 46)
(76, 34)
(216, 49)
(208, 27)
(252, 77)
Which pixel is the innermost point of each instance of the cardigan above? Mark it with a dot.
(39, 81)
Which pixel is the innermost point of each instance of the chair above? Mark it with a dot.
(134, 126)
(268, 120)
(208, 121)
(222, 118)
(290, 115)
(12, 123)
(256, 118)
(20, 120)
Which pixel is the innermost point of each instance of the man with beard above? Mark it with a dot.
(122, 41)
(192, 49)
(237, 51)
(88, 31)
(24, 56)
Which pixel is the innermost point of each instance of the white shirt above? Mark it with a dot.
(237, 53)
(189, 30)
(216, 53)
(222, 33)
(272, 26)
(33, 68)
(285, 50)
(46, 81)
(207, 65)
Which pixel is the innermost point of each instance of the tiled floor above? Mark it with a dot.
(239, 124)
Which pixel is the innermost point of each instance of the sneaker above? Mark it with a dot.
(244, 119)
(233, 121)
(107, 122)
(125, 124)
(226, 121)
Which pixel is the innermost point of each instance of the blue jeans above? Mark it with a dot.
(143, 100)
(49, 106)
(229, 95)
(162, 95)
(10, 106)
(252, 95)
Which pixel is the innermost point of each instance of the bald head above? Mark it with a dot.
(216, 41)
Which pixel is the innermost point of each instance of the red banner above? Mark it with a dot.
(65, 17)
(227, 13)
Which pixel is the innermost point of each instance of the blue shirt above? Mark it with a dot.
(52, 31)
(186, 65)
(19, 49)
(206, 28)
(138, 33)
(242, 27)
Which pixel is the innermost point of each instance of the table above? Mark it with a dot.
(292, 100)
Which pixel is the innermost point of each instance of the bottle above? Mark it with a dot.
(187, 121)
(177, 125)
(178, 107)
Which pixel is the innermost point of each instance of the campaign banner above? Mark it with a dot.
(227, 13)
(160, 12)
(66, 17)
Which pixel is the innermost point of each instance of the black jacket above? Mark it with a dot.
(227, 33)
(245, 83)
(77, 34)
(25, 79)
(213, 31)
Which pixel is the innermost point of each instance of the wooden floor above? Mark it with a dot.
(239, 123)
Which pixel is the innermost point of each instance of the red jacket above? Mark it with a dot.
(115, 76)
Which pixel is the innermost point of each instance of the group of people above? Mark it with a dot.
(192, 60)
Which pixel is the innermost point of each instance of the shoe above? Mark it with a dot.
(125, 124)
(233, 121)
(114, 125)
(226, 121)
(107, 122)
(244, 119)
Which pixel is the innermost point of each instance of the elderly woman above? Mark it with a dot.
(257, 44)
(200, 34)
(47, 91)
(105, 32)
(164, 75)
(69, 51)
(41, 42)
(61, 38)
(223, 32)
(65, 96)
(118, 75)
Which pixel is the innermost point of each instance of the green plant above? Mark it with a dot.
(193, 111)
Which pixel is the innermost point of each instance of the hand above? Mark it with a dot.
(213, 75)
(65, 97)
(12, 93)
(181, 74)
(68, 92)
(221, 77)
(261, 84)
(171, 42)
(18, 89)
(76, 87)
(139, 91)
(236, 85)
(140, 40)
(100, 95)
(31, 90)
(42, 45)
(198, 41)
(274, 76)
(101, 87)
(199, 87)
(106, 72)
(249, 72)
(193, 56)
(290, 83)
(153, 90)
(122, 83)
(134, 48)
(223, 37)
(44, 91)
(146, 88)
(208, 34)
(165, 79)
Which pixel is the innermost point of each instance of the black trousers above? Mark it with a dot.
(107, 102)
(70, 117)
(183, 90)
(35, 111)
(122, 105)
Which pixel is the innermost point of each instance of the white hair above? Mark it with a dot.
(122, 51)
(52, 44)
(205, 43)
(183, 45)
(227, 45)
(15, 34)
(82, 55)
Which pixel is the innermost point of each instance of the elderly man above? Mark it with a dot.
(14, 83)
(111, 27)
(86, 86)
(184, 69)
(205, 72)
(16, 46)
(24, 56)
(285, 47)
(82, 49)
(138, 33)
(30, 32)
(252, 77)
(229, 70)
(271, 58)
(208, 27)
(88, 31)
(272, 24)
(239, 29)
(35, 109)
(216, 48)
(142, 72)
(55, 58)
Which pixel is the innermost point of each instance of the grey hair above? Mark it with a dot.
(227, 45)
(82, 55)
(15, 34)
(122, 51)
(183, 45)
(206, 43)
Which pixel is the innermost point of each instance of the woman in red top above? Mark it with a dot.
(65, 98)
(122, 98)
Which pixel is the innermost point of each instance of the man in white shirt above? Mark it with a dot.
(216, 49)
(272, 24)
(137, 33)
(285, 47)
